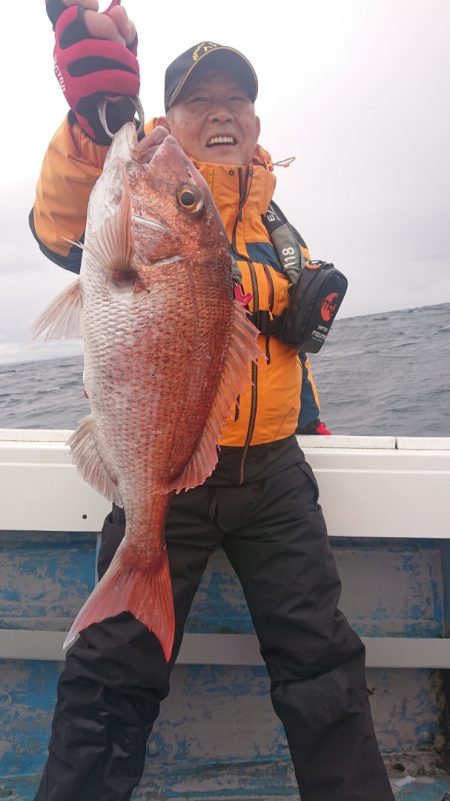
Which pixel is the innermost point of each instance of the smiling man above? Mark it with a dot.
(209, 98)
(261, 503)
(213, 118)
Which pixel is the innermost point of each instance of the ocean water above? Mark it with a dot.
(379, 374)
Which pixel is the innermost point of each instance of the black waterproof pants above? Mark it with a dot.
(274, 535)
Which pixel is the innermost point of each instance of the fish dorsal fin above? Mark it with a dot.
(88, 460)
(62, 317)
(243, 348)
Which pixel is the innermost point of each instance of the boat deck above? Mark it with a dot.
(412, 780)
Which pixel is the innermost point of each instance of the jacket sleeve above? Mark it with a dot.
(309, 398)
(70, 168)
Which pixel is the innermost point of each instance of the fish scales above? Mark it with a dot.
(167, 351)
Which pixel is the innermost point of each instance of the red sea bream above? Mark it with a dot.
(167, 350)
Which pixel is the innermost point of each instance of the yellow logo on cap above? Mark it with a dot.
(203, 48)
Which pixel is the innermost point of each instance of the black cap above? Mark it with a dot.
(219, 57)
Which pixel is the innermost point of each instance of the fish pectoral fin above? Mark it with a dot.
(112, 244)
(88, 461)
(242, 349)
(62, 317)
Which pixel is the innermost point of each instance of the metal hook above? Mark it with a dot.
(101, 109)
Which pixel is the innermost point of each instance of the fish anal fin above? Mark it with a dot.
(88, 461)
(62, 317)
(242, 349)
(125, 587)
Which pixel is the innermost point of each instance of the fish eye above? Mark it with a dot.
(190, 199)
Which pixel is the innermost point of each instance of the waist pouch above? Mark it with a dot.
(315, 301)
(316, 292)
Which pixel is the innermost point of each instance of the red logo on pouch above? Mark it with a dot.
(328, 306)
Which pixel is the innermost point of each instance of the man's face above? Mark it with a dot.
(214, 120)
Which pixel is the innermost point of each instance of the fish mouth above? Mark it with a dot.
(220, 140)
(144, 150)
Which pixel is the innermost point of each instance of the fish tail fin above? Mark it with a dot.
(126, 587)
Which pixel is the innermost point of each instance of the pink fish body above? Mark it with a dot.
(167, 350)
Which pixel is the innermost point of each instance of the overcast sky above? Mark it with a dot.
(357, 90)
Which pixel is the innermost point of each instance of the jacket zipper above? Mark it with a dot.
(271, 287)
(244, 189)
(271, 302)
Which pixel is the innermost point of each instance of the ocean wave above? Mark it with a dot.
(389, 379)
(24, 352)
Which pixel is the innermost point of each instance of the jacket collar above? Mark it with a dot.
(224, 183)
(241, 192)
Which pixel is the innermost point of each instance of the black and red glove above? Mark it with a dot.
(315, 427)
(89, 69)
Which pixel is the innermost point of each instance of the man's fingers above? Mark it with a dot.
(124, 25)
(115, 25)
(101, 26)
(92, 4)
(93, 61)
(112, 24)
(55, 8)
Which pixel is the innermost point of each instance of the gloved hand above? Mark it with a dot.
(322, 429)
(95, 57)
(314, 427)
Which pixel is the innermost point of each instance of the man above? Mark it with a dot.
(260, 504)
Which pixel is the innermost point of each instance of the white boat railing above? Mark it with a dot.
(370, 487)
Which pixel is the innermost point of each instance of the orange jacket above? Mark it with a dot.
(269, 408)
